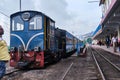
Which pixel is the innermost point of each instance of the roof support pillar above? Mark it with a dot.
(118, 32)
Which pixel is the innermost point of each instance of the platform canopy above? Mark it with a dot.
(97, 32)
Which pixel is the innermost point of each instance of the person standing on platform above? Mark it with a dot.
(114, 43)
(108, 41)
(4, 55)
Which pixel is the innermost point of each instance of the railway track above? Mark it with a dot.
(81, 70)
(106, 65)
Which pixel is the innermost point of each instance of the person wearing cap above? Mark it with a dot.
(4, 55)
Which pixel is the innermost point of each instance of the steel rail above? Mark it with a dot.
(67, 71)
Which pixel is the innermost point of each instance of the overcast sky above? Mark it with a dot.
(76, 16)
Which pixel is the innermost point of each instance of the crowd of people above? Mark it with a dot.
(114, 42)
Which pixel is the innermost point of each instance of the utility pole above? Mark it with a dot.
(20, 5)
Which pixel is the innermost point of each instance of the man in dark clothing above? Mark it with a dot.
(108, 41)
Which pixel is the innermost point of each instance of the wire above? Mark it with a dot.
(4, 14)
(4, 21)
(92, 1)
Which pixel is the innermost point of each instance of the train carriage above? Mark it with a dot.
(70, 44)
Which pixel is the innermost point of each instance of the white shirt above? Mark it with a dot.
(114, 39)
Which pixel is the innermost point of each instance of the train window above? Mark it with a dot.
(39, 23)
(52, 23)
(17, 24)
(36, 23)
(31, 24)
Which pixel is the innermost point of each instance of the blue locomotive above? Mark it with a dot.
(34, 40)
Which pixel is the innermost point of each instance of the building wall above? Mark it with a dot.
(105, 6)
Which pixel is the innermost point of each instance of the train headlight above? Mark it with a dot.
(37, 49)
(26, 16)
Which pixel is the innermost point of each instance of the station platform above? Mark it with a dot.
(110, 49)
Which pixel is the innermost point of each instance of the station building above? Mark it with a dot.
(110, 22)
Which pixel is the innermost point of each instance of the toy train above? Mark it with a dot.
(34, 40)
